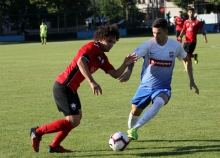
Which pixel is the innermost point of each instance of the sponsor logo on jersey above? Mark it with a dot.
(171, 54)
(160, 63)
(73, 106)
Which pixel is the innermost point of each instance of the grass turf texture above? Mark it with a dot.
(187, 127)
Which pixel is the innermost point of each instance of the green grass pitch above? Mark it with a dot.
(187, 127)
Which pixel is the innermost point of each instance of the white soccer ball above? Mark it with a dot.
(118, 141)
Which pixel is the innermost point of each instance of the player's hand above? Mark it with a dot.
(125, 77)
(193, 85)
(131, 58)
(96, 88)
(179, 38)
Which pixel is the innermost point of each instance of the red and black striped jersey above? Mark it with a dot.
(72, 77)
(191, 27)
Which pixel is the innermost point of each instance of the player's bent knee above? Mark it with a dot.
(74, 120)
(75, 123)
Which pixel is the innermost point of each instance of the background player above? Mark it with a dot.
(88, 60)
(159, 56)
(43, 33)
(179, 21)
(190, 29)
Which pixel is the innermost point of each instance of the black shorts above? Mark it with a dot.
(189, 47)
(67, 101)
(178, 33)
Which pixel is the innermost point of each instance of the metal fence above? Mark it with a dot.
(73, 22)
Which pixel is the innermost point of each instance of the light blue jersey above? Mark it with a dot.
(158, 63)
(157, 70)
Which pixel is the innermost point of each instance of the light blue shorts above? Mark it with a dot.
(144, 97)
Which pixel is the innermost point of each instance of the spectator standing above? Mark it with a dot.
(103, 19)
(97, 21)
(89, 19)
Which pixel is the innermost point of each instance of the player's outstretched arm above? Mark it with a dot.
(130, 59)
(126, 76)
(190, 74)
(181, 35)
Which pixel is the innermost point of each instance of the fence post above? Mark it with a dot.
(76, 24)
(58, 23)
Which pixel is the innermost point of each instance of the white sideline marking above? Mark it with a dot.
(216, 46)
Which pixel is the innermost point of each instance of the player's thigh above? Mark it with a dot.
(189, 47)
(43, 35)
(66, 101)
(140, 101)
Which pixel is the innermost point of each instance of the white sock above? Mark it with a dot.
(132, 120)
(150, 113)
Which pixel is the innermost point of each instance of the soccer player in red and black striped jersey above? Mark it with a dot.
(179, 21)
(190, 29)
(88, 60)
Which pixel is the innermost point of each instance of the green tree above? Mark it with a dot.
(116, 10)
(11, 12)
(74, 7)
(216, 2)
(4, 5)
(183, 3)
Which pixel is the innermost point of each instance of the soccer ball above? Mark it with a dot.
(118, 141)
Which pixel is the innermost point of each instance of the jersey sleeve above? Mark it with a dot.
(142, 50)
(181, 52)
(89, 50)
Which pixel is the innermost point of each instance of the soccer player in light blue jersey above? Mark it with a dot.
(159, 54)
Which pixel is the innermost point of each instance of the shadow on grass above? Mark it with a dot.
(177, 149)
(180, 150)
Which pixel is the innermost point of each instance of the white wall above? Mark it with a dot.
(173, 9)
(209, 18)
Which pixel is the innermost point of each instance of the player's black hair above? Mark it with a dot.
(160, 23)
(180, 11)
(106, 31)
